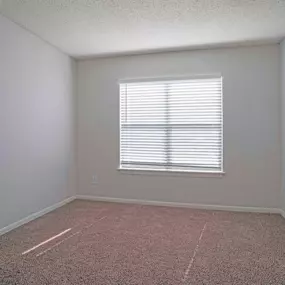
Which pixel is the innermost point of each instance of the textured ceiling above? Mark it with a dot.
(98, 27)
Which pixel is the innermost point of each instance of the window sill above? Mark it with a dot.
(181, 173)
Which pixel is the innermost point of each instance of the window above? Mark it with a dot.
(172, 125)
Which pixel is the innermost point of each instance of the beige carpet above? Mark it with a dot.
(104, 243)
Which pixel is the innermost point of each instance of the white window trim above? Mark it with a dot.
(174, 172)
(169, 78)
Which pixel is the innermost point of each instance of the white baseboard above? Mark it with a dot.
(35, 215)
(182, 205)
(141, 202)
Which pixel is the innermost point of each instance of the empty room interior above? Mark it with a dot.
(142, 142)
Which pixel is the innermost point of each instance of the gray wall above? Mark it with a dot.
(283, 119)
(252, 125)
(36, 123)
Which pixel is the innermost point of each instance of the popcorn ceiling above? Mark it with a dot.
(100, 27)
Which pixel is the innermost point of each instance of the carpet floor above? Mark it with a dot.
(121, 244)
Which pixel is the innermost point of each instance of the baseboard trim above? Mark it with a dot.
(35, 216)
(140, 202)
(182, 205)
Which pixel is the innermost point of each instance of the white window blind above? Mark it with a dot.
(174, 125)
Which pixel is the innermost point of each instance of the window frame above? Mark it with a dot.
(150, 171)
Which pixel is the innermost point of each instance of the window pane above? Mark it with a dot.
(143, 103)
(195, 102)
(196, 146)
(142, 145)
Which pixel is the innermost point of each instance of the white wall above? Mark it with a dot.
(283, 119)
(36, 124)
(252, 124)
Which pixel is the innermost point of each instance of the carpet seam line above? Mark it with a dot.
(187, 271)
(67, 238)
